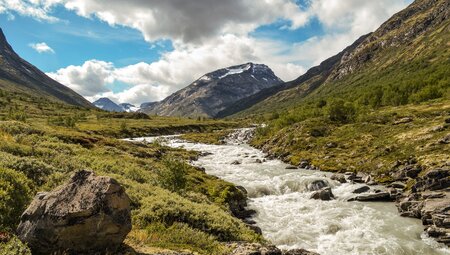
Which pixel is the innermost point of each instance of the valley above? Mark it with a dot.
(350, 157)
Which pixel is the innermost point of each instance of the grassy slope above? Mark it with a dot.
(409, 80)
(43, 152)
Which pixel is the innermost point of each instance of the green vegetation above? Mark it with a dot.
(216, 137)
(393, 106)
(174, 205)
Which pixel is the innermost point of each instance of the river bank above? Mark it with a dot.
(290, 219)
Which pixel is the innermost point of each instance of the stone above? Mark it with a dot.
(291, 167)
(445, 140)
(324, 194)
(259, 161)
(299, 252)
(361, 189)
(236, 162)
(317, 185)
(372, 197)
(403, 121)
(436, 179)
(90, 214)
(338, 177)
(398, 185)
(244, 248)
(331, 145)
(303, 164)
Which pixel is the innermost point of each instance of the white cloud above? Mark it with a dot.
(190, 21)
(89, 79)
(38, 9)
(41, 47)
(175, 69)
(207, 35)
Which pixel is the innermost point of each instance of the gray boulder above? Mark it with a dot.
(361, 189)
(88, 215)
(324, 194)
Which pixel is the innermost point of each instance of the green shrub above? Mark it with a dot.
(14, 247)
(340, 111)
(16, 128)
(170, 209)
(35, 170)
(15, 194)
(427, 93)
(173, 175)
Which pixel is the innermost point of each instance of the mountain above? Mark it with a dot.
(216, 91)
(310, 81)
(402, 57)
(106, 104)
(129, 107)
(147, 105)
(18, 75)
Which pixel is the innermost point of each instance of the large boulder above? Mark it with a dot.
(88, 215)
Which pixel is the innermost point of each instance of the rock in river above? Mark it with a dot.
(88, 215)
(324, 194)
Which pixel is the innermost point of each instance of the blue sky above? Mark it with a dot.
(143, 51)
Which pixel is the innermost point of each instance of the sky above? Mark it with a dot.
(139, 51)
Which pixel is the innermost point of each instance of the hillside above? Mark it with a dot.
(216, 91)
(17, 75)
(404, 57)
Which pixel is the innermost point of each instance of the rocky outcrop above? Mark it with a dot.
(243, 248)
(429, 200)
(88, 215)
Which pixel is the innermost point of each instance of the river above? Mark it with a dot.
(290, 219)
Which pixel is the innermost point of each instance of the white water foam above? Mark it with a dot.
(289, 219)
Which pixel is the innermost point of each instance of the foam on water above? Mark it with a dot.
(290, 219)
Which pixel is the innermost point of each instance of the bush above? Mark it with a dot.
(341, 111)
(14, 247)
(15, 194)
(427, 93)
(173, 175)
(169, 208)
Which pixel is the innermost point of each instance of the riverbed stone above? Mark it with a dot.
(88, 215)
(361, 189)
(299, 252)
(338, 177)
(324, 194)
(373, 197)
(317, 185)
(244, 248)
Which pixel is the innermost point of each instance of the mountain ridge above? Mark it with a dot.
(215, 91)
(20, 75)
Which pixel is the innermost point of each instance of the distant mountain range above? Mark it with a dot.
(18, 75)
(215, 91)
(107, 104)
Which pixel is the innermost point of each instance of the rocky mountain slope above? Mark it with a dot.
(107, 104)
(216, 91)
(303, 85)
(414, 41)
(18, 75)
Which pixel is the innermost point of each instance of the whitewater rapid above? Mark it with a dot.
(290, 219)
